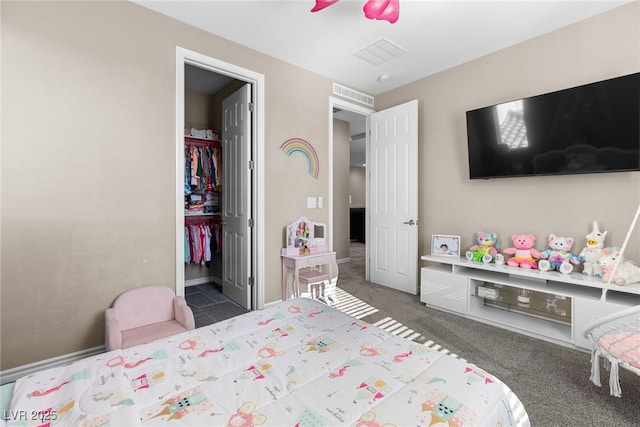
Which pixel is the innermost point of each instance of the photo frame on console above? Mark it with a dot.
(445, 245)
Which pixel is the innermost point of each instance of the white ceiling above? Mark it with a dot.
(436, 35)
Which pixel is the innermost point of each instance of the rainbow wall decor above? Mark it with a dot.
(298, 145)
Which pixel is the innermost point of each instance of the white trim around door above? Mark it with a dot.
(185, 56)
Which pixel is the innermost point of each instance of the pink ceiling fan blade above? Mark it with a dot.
(382, 10)
(390, 12)
(373, 8)
(321, 4)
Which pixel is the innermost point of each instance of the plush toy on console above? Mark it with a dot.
(627, 271)
(590, 254)
(525, 254)
(559, 256)
(485, 248)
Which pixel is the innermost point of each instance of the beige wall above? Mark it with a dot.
(196, 110)
(340, 190)
(599, 48)
(88, 163)
(357, 186)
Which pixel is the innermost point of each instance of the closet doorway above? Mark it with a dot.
(208, 94)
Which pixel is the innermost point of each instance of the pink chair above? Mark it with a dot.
(145, 314)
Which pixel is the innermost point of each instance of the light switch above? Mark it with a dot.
(311, 202)
(320, 202)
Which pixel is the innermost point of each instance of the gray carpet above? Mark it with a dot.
(551, 381)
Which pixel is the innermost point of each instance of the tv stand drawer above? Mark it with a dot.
(444, 290)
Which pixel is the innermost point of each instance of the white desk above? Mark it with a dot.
(301, 261)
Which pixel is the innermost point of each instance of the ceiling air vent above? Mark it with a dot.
(380, 51)
(352, 94)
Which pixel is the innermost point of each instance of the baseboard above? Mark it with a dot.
(11, 375)
(202, 281)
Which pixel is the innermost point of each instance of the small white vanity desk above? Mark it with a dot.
(306, 248)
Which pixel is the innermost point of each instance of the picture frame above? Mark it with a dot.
(445, 245)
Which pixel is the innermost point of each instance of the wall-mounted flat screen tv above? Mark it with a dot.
(585, 129)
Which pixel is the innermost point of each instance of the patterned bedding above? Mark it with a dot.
(296, 363)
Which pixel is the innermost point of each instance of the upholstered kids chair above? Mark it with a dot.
(145, 314)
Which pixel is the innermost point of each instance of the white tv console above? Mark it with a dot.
(550, 305)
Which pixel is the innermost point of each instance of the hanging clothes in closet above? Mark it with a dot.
(202, 178)
(202, 168)
(202, 187)
(201, 240)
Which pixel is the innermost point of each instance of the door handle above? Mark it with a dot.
(410, 222)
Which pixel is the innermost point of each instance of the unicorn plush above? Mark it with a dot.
(626, 272)
(590, 254)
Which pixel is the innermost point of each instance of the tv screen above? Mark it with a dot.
(586, 129)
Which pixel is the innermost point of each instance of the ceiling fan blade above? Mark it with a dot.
(373, 8)
(321, 4)
(382, 10)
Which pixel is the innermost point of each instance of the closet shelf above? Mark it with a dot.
(218, 189)
(196, 141)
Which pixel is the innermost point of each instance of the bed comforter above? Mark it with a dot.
(297, 363)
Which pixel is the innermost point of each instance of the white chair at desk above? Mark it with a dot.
(320, 285)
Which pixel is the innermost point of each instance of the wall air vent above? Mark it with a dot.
(352, 94)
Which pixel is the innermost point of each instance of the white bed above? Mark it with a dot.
(297, 363)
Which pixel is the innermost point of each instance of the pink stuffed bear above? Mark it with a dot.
(525, 253)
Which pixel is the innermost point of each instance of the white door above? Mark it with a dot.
(236, 199)
(393, 197)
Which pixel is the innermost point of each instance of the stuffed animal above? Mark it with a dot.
(198, 133)
(559, 256)
(525, 254)
(626, 272)
(590, 254)
(485, 248)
